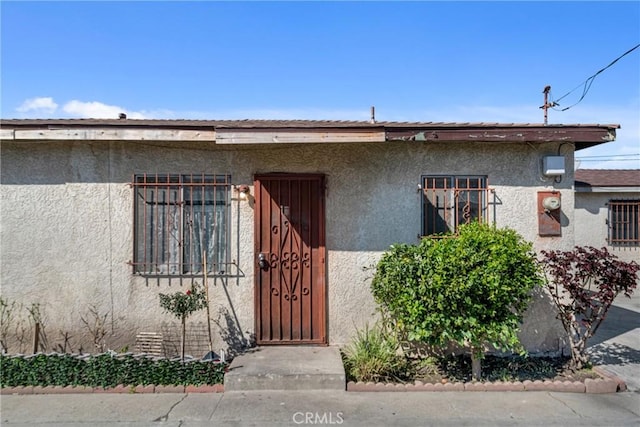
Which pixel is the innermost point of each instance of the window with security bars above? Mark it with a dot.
(448, 201)
(180, 220)
(624, 222)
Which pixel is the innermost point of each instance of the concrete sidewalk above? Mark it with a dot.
(285, 408)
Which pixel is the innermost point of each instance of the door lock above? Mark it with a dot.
(262, 261)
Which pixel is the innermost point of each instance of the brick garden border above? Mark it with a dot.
(607, 383)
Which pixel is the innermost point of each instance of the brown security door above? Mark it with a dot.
(289, 264)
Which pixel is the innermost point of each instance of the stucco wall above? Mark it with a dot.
(591, 222)
(67, 233)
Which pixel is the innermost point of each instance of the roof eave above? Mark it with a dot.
(581, 137)
(277, 131)
(607, 189)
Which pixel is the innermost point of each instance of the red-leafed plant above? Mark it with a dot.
(583, 284)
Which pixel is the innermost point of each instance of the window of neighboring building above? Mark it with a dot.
(624, 222)
(449, 201)
(178, 219)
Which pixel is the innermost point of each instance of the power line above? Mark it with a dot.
(609, 160)
(586, 85)
(609, 156)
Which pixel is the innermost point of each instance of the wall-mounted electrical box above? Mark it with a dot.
(553, 165)
(549, 204)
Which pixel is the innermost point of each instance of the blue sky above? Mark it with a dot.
(415, 61)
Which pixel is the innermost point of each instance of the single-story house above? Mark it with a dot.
(607, 211)
(100, 216)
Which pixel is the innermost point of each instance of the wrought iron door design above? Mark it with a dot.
(290, 250)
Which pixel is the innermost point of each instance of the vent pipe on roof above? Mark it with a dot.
(373, 114)
(122, 116)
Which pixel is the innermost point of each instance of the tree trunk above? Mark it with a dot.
(578, 342)
(476, 367)
(182, 341)
(579, 359)
(36, 337)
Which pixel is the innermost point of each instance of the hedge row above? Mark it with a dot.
(105, 370)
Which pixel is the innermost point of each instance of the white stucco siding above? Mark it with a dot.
(52, 209)
(67, 224)
(591, 216)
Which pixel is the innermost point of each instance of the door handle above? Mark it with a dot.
(262, 261)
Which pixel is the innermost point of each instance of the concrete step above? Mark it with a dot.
(286, 368)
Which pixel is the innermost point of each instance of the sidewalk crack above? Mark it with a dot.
(165, 417)
(215, 408)
(564, 403)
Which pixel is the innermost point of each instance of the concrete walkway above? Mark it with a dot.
(616, 345)
(287, 368)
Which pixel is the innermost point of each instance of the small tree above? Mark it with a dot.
(471, 289)
(96, 324)
(182, 305)
(7, 316)
(583, 284)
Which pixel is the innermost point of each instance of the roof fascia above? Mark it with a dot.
(298, 136)
(612, 189)
(107, 134)
(582, 137)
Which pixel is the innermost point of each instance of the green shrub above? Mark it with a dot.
(105, 370)
(373, 356)
(471, 289)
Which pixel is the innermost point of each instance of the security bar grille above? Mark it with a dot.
(179, 219)
(624, 222)
(449, 201)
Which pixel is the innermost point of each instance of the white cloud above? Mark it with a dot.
(98, 110)
(45, 107)
(42, 105)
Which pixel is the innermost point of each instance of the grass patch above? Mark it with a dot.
(373, 356)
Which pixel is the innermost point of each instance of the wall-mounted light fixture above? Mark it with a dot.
(243, 191)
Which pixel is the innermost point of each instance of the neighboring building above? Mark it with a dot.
(99, 216)
(608, 210)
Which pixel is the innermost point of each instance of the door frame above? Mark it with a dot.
(322, 254)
